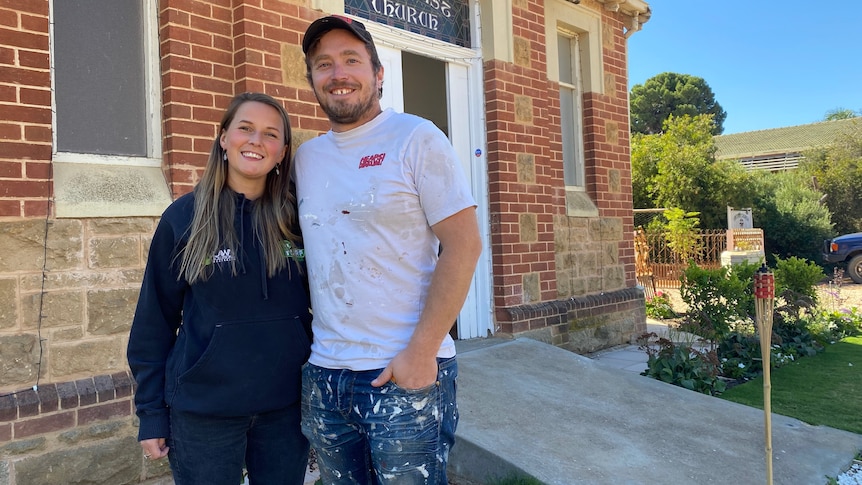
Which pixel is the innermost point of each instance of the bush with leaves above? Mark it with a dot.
(789, 210)
(677, 168)
(830, 326)
(739, 353)
(682, 234)
(792, 320)
(681, 365)
(717, 297)
(797, 275)
(837, 168)
(659, 307)
(721, 310)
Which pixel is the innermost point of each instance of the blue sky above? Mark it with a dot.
(770, 64)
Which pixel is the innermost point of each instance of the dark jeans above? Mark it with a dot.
(379, 435)
(207, 450)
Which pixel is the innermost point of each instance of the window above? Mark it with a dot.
(571, 111)
(105, 70)
(107, 109)
(574, 41)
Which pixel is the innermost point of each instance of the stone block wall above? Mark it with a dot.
(68, 289)
(68, 293)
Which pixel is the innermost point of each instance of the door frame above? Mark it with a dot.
(467, 133)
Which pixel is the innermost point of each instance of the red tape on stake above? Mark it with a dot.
(764, 285)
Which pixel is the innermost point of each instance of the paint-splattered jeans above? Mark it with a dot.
(379, 435)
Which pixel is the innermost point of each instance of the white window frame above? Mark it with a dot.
(572, 131)
(152, 99)
(97, 185)
(562, 16)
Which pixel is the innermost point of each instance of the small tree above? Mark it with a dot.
(682, 234)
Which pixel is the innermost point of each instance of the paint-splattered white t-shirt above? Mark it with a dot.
(367, 198)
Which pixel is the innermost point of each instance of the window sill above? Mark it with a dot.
(98, 190)
(579, 204)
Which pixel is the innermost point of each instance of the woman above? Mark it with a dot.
(222, 325)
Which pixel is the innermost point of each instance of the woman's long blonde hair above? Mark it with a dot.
(274, 214)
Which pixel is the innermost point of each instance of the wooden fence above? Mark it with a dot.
(664, 267)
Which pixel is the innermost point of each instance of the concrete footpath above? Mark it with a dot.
(532, 408)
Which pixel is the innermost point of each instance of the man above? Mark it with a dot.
(378, 196)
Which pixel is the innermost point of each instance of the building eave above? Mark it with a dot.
(638, 11)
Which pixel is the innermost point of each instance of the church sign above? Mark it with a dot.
(446, 20)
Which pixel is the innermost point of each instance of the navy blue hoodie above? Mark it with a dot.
(227, 346)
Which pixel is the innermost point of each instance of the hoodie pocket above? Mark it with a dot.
(248, 367)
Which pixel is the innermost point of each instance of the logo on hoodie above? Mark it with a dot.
(296, 254)
(223, 256)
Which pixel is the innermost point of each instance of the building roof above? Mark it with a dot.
(780, 141)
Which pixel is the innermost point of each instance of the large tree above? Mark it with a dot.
(668, 94)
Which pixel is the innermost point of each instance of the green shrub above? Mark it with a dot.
(740, 356)
(792, 335)
(659, 307)
(682, 366)
(744, 272)
(721, 310)
(789, 210)
(716, 297)
(682, 234)
(797, 275)
(830, 326)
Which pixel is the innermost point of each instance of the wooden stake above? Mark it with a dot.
(764, 298)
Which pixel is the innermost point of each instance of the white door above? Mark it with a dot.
(393, 87)
(464, 128)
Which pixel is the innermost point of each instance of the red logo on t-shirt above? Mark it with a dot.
(372, 160)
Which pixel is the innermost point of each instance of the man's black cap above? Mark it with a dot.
(325, 24)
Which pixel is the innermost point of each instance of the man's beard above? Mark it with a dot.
(347, 113)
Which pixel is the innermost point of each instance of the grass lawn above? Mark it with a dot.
(825, 389)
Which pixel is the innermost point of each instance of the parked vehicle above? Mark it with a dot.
(846, 249)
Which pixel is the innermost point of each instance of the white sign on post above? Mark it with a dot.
(739, 218)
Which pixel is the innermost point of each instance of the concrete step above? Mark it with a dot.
(531, 408)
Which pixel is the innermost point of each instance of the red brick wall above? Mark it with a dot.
(507, 138)
(606, 140)
(211, 51)
(611, 151)
(25, 109)
(55, 407)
